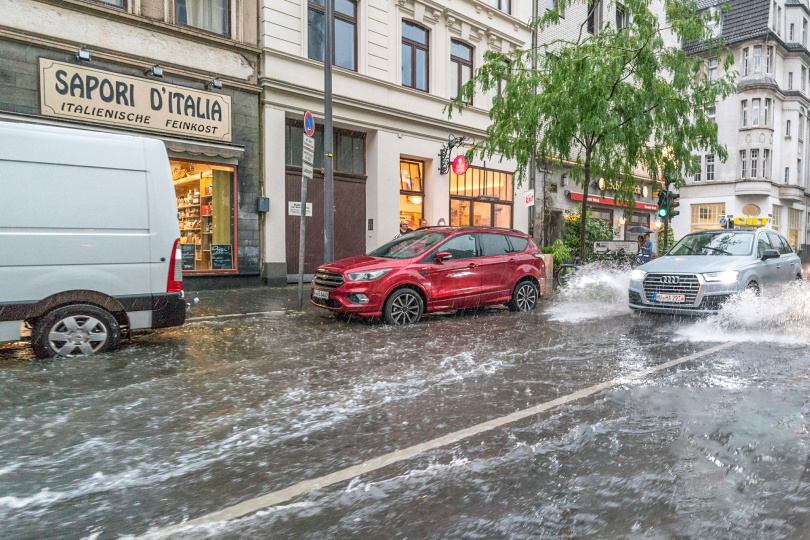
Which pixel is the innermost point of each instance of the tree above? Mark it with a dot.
(596, 230)
(608, 102)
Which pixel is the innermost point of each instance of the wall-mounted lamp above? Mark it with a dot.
(83, 55)
(215, 84)
(154, 71)
(658, 224)
(622, 221)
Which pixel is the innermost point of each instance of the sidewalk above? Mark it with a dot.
(253, 300)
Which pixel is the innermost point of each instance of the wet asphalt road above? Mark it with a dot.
(183, 422)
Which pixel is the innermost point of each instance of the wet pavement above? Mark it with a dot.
(183, 422)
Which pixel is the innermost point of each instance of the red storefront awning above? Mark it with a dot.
(611, 202)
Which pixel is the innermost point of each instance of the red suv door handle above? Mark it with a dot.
(512, 260)
(471, 265)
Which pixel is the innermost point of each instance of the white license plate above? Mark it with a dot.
(320, 294)
(676, 298)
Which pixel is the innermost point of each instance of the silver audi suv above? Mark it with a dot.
(706, 267)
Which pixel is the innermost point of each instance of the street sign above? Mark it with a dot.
(722, 221)
(460, 165)
(309, 124)
(530, 198)
(308, 156)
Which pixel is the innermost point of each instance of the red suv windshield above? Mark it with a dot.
(409, 246)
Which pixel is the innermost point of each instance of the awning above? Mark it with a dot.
(611, 202)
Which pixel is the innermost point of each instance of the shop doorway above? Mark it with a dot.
(481, 198)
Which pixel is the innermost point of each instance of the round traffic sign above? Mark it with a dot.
(309, 124)
(460, 165)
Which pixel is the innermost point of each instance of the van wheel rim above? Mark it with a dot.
(77, 335)
(526, 297)
(405, 309)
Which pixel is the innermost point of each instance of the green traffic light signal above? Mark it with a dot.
(662, 211)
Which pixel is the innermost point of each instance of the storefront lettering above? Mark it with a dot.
(76, 91)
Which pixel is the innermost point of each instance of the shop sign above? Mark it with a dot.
(103, 97)
(530, 198)
(294, 208)
(612, 202)
(751, 222)
(460, 165)
(615, 246)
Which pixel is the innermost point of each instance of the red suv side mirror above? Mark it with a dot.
(442, 255)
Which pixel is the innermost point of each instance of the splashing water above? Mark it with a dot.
(593, 291)
(781, 314)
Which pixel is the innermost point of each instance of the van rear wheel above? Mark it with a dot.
(77, 330)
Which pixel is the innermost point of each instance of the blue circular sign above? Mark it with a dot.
(722, 221)
(309, 124)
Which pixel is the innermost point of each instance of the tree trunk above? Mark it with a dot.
(583, 213)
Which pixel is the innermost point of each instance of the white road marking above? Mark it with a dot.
(301, 488)
(234, 315)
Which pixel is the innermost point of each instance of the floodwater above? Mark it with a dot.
(187, 421)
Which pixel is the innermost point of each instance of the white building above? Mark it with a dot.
(764, 126)
(397, 65)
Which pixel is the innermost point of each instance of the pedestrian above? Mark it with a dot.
(644, 248)
(441, 223)
(403, 229)
(648, 247)
(423, 223)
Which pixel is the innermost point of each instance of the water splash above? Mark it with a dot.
(594, 291)
(781, 314)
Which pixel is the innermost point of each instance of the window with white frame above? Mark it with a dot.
(804, 78)
(757, 58)
(754, 160)
(744, 113)
(787, 128)
(698, 171)
(713, 69)
(209, 15)
(790, 33)
(715, 27)
(765, 155)
(621, 17)
(769, 60)
(773, 17)
(503, 5)
(742, 163)
(755, 112)
(787, 174)
(776, 217)
(745, 61)
(794, 226)
(767, 111)
(790, 80)
(711, 114)
(709, 167)
(800, 128)
(804, 32)
(798, 171)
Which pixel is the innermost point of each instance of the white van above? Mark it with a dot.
(89, 238)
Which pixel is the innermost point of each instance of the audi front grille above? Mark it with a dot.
(328, 280)
(686, 284)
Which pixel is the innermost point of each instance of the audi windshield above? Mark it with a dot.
(409, 246)
(715, 243)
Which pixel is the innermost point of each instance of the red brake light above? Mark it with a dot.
(174, 283)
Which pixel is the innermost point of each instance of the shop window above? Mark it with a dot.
(208, 15)
(414, 56)
(481, 197)
(205, 200)
(411, 192)
(794, 226)
(776, 219)
(345, 34)
(349, 152)
(707, 216)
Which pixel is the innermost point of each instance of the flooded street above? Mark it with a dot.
(184, 422)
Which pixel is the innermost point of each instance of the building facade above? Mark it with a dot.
(183, 71)
(764, 125)
(397, 64)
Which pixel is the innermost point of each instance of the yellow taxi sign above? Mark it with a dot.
(751, 221)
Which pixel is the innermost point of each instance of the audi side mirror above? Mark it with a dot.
(770, 254)
(443, 255)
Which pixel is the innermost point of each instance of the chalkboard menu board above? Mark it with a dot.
(188, 256)
(221, 257)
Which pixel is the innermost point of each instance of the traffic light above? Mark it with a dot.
(673, 204)
(663, 203)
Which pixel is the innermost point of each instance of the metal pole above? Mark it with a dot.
(328, 139)
(301, 238)
(537, 235)
(666, 234)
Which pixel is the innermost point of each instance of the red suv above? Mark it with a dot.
(435, 269)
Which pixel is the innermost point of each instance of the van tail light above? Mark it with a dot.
(175, 281)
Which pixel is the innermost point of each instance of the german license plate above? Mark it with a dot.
(320, 294)
(673, 298)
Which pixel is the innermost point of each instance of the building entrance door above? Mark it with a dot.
(350, 221)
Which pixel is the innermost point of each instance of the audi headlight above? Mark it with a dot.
(728, 276)
(637, 275)
(368, 275)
